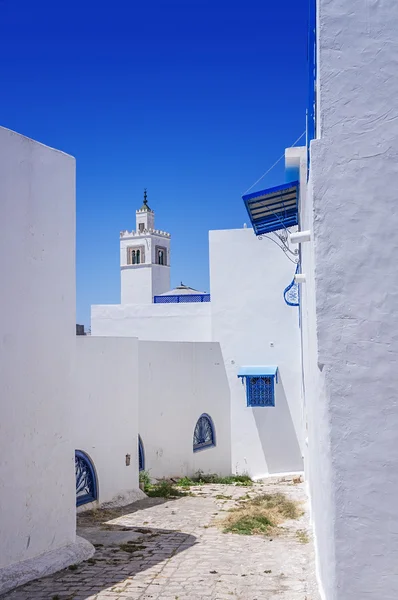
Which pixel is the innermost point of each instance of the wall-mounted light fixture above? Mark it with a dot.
(128, 458)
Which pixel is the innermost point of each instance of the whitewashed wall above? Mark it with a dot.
(352, 372)
(254, 326)
(178, 382)
(106, 425)
(37, 324)
(318, 451)
(185, 322)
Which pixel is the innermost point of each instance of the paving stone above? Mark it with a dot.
(181, 553)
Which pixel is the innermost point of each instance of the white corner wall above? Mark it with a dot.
(352, 371)
(178, 382)
(136, 284)
(185, 322)
(106, 401)
(254, 326)
(319, 459)
(160, 279)
(37, 349)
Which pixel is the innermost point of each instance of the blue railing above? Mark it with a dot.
(181, 298)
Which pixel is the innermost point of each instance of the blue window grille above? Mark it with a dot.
(177, 299)
(204, 436)
(291, 294)
(260, 385)
(86, 480)
(141, 455)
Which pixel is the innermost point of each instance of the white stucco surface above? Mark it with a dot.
(178, 382)
(106, 427)
(351, 374)
(318, 462)
(136, 284)
(140, 283)
(37, 350)
(254, 326)
(183, 322)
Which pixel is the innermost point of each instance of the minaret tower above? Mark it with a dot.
(144, 259)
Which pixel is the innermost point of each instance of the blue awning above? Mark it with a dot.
(269, 371)
(274, 208)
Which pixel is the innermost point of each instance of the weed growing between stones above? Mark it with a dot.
(261, 515)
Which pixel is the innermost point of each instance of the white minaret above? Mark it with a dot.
(144, 259)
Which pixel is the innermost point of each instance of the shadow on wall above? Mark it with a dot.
(278, 435)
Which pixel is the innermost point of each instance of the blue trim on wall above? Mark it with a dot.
(141, 455)
(86, 479)
(269, 371)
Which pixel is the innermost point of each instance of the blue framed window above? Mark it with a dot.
(204, 435)
(86, 479)
(141, 454)
(260, 385)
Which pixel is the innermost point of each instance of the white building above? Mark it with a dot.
(149, 310)
(174, 371)
(263, 439)
(37, 361)
(349, 300)
(144, 259)
(75, 407)
(346, 208)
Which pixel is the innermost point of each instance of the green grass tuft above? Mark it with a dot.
(185, 482)
(249, 525)
(145, 479)
(164, 489)
(202, 478)
(288, 509)
(261, 515)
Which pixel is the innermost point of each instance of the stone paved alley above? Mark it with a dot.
(175, 550)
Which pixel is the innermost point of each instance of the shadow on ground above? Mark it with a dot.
(121, 554)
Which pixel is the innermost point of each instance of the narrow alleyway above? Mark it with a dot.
(176, 550)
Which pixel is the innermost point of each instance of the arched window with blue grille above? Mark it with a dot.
(204, 434)
(141, 455)
(86, 479)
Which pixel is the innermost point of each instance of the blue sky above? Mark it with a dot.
(193, 99)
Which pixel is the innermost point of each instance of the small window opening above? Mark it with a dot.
(203, 436)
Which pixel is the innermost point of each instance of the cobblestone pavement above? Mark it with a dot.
(174, 550)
